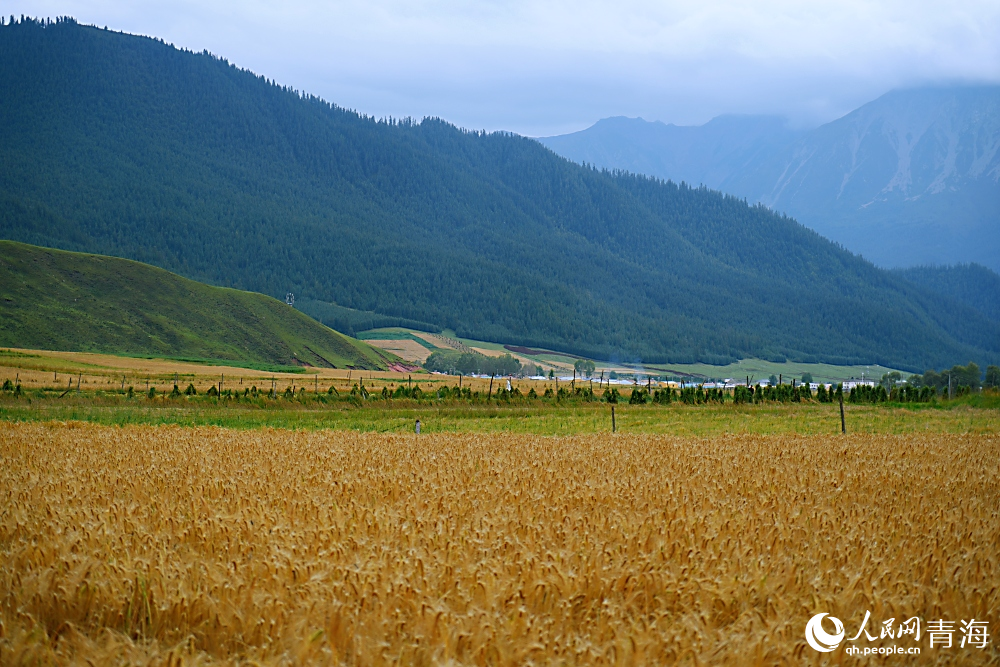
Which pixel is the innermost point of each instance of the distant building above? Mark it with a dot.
(851, 384)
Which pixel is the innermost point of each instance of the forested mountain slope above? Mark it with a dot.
(124, 145)
(971, 284)
(57, 300)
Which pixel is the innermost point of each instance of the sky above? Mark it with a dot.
(551, 67)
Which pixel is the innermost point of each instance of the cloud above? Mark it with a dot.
(547, 67)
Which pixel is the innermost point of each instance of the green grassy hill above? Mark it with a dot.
(57, 300)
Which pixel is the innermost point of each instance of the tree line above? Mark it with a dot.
(454, 362)
(958, 376)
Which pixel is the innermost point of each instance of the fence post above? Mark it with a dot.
(614, 427)
(843, 424)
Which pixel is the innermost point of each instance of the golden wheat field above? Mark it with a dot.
(171, 545)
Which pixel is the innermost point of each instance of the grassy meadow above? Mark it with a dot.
(73, 386)
(540, 417)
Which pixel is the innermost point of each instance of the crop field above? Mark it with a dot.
(408, 350)
(176, 545)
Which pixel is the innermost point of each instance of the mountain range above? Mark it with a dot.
(126, 146)
(912, 178)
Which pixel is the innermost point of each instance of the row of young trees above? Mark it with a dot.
(903, 394)
(700, 395)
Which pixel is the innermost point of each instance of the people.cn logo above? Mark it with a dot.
(819, 638)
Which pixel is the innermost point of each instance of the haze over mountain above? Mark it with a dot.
(709, 154)
(910, 178)
(124, 145)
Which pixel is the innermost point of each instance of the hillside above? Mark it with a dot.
(972, 284)
(124, 145)
(910, 178)
(57, 300)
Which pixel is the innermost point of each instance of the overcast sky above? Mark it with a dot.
(541, 68)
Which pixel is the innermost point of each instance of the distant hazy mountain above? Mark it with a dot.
(711, 154)
(911, 178)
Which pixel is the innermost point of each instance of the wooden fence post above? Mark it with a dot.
(843, 424)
